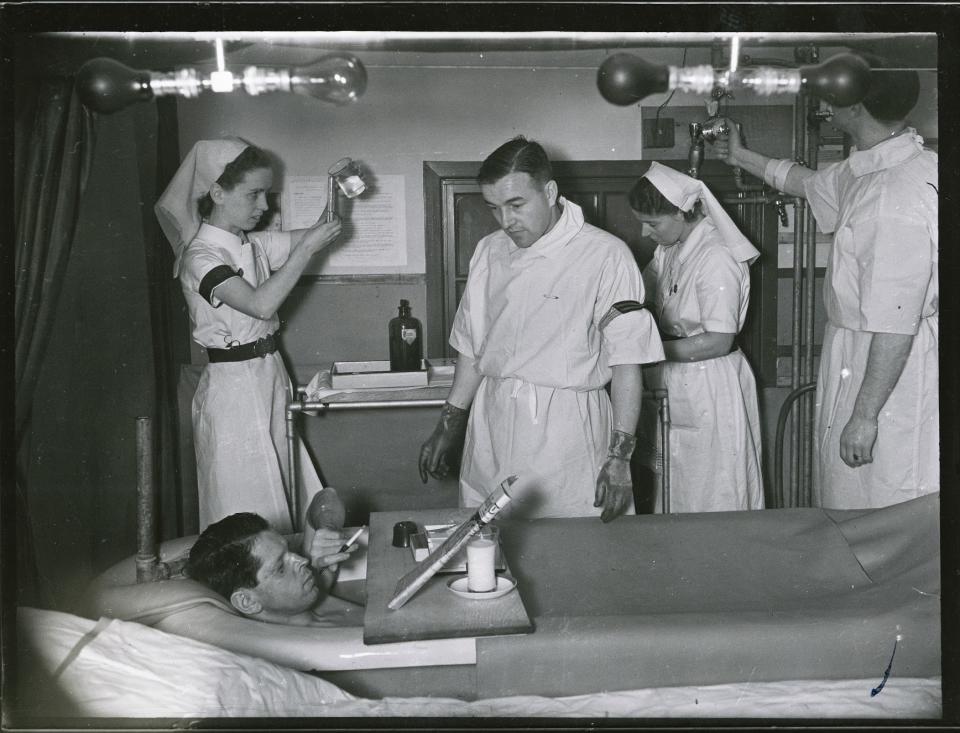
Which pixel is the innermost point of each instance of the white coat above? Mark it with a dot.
(531, 319)
(881, 206)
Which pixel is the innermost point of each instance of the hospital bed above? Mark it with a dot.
(782, 613)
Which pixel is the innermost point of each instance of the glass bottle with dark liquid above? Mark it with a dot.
(406, 341)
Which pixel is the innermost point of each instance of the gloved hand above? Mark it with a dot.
(442, 449)
(614, 483)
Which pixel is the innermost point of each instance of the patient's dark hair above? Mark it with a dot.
(516, 156)
(252, 158)
(222, 556)
(645, 198)
(893, 92)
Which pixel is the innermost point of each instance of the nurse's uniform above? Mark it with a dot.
(881, 205)
(533, 320)
(715, 436)
(239, 409)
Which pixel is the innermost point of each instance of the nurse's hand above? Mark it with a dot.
(614, 488)
(321, 235)
(729, 145)
(857, 440)
(442, 450)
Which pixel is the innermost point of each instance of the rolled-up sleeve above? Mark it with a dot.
(629, 335)
(821, 192)
(895, 262)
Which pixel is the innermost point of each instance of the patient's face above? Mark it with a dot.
(285, 582)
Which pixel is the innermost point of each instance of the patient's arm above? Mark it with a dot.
(312, 648)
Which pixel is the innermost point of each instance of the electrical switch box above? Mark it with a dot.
(658, 133)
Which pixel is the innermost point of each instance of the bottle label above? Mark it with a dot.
(408, 334)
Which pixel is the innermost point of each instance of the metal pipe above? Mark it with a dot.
(291, 485)
(664, 409)
(741, 186)
(146, 558)
(797, 313)
(766, 199)
(307, 406)
(778, 442)
(810, 276)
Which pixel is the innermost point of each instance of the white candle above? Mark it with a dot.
(481, 575)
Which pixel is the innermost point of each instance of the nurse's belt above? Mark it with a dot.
(684, 191)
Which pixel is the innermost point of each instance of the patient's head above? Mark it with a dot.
(246, 561)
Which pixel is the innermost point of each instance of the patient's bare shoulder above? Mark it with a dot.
(336, 612)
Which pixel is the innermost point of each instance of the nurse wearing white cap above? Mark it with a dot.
(234, 280)
(700, 283)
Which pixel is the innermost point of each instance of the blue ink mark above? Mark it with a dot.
(886, 673)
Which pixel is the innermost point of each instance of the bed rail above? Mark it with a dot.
(793, 499)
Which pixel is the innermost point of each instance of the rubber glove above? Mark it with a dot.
(442, 450)
(614, 483)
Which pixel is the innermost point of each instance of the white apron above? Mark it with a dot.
(557, 438)
(239, 428)
(715, 435)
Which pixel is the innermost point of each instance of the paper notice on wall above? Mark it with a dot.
(374, 224)
(303, 200)
(374, 227)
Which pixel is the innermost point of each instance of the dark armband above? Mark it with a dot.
(619, 308)
(216, 276)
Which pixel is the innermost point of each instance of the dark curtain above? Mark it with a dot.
(55, 167)
(169, 332)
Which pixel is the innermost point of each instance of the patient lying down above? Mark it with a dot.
(250, 564)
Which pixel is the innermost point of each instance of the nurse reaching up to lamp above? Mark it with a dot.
(700, 285)
(877, 438)
(234, 280)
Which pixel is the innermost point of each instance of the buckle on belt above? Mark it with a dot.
(263, 346)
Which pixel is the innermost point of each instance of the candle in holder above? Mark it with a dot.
(481, 560)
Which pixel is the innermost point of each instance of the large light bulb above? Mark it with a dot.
(107, 86)
(625, 79)
(842, 80)
(337, 78)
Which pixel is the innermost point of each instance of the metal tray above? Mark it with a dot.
(373, 374)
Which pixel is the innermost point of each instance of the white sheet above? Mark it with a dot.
(126, 670)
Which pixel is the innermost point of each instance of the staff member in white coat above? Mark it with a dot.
(234, 280)
(700, 282)
(877, 410)
(551, 313)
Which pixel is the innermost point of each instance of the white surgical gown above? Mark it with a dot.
(239, 408)
(531, 318)
(881, 205)
(715, 434)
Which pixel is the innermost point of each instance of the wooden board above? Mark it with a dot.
(434, 612)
